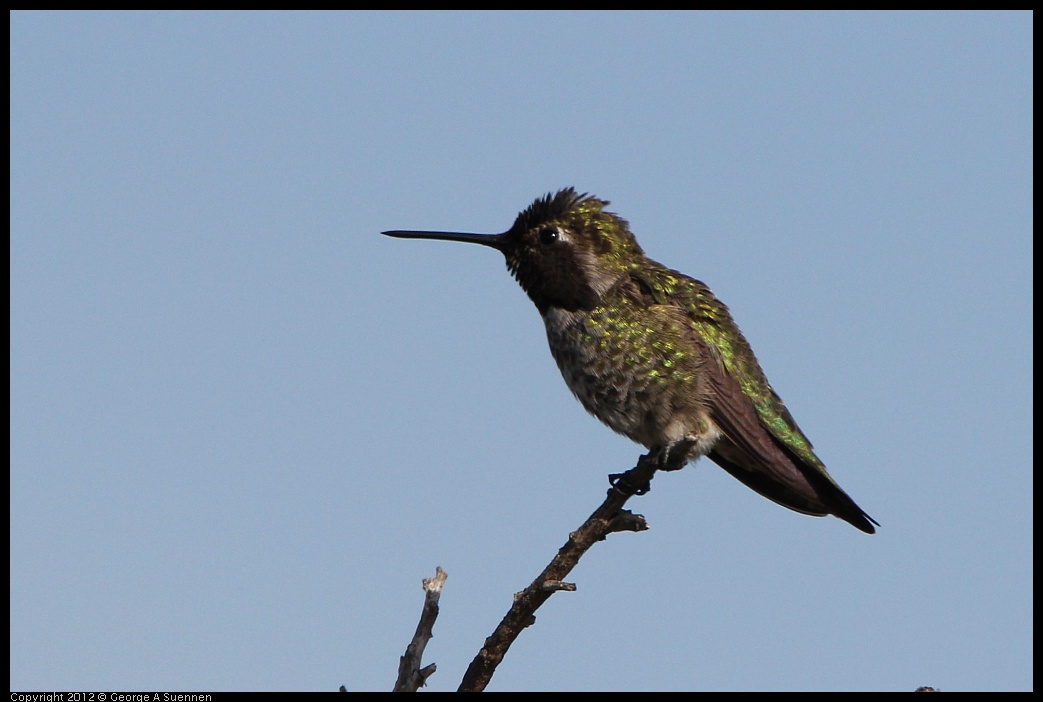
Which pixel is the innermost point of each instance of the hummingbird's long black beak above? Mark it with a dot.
(496, 241)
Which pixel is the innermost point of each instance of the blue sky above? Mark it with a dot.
(244, 426)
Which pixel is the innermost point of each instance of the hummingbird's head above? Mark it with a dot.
(564, 249)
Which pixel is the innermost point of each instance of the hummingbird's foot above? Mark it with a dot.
(628, 485)
(637, 480)
(674, 455)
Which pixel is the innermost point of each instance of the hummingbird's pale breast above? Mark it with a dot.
(633, 369)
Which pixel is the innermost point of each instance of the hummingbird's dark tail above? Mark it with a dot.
(790, 483)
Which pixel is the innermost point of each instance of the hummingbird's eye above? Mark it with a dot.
(548, 235)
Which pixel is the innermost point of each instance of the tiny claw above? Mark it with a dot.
(622, 483)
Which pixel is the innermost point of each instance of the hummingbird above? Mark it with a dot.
(654, 355)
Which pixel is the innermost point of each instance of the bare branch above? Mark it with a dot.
(411, 676)
(606, 519)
